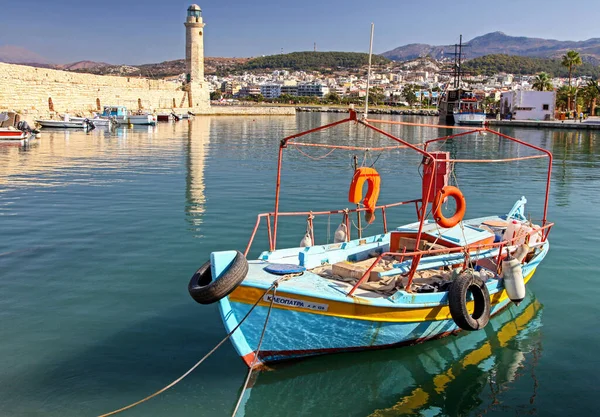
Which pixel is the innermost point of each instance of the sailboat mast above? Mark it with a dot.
(369, 72)
(459, 59)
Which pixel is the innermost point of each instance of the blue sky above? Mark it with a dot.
(134, 32)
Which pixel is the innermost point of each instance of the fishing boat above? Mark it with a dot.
(124, 117)
(427, 279)
(459, 104)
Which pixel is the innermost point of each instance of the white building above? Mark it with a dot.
(528, 105)
(312, 90)
(270, 91)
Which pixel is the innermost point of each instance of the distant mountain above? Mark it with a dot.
(18, 55)
(500, 43)
(79, 65)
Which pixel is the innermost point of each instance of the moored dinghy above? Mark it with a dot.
(420, 281)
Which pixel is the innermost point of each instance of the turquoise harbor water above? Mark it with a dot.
(100, 233)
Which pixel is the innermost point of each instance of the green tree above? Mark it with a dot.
(333, 98)
(376, 96)
(542, 82)
(215, 95)
(564, 97)
(409, 94)
(591, 94)
(569, 60)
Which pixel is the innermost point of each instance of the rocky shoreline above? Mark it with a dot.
(324, 109)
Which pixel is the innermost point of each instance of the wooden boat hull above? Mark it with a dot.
(302, 325)
(448, 366)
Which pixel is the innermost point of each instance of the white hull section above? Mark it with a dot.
(469, 118)
(144, 119)
(97, 122)
(62, 124)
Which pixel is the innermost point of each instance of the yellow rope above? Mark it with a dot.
(274, 285)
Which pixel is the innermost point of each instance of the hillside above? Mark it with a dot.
(309, 61)
(500, 43)
(163, 69)
(493, 64)
(18, 55)
(295, 61)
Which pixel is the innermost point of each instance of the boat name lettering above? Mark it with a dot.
(293, 302)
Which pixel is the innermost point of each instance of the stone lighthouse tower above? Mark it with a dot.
(197, 89)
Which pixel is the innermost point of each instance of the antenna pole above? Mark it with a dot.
(459, 59)
(369, 72)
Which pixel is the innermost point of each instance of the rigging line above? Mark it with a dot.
(314, 158)
(189, 371)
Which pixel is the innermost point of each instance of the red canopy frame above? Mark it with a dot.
(420, 149)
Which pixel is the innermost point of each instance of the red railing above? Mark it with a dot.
(417, 255)
(346, 212)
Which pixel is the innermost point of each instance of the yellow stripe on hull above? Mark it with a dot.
(357, 310)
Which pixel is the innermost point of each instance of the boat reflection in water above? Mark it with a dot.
(453, 376)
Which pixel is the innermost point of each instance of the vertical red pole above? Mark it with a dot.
(384, 219)
(312, 229)
(277, 189)
(269, 231)
(347, 221)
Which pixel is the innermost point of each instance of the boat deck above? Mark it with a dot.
(310, 283)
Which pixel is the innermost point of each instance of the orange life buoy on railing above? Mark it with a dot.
(461, 206)
(371, 176)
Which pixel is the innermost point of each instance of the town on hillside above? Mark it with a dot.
(416, 84)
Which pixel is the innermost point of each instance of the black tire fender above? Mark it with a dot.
(204, 290)
(457, 301)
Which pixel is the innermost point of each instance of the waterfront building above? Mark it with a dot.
(290, 89)
(249, 90)
(270, 91)
(528, 105)
(312, 90)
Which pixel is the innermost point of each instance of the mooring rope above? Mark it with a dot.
(189, 371)
(262, 335)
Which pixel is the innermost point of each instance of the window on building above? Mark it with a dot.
(545, 107)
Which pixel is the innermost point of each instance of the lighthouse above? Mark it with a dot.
(196, 87)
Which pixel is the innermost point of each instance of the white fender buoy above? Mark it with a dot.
(341, 234)
(522, 252)
(513, 279)
(306, 241)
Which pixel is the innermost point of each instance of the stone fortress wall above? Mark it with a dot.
(28, 91)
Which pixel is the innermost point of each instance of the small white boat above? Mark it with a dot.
(67, 123)
(124, 117)
(97, 121)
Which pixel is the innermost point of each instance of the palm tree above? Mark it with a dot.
(570, 60)
(542, 82)
(564, 95)
(591, 94)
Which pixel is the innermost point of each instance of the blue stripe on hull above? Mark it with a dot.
(292, 334)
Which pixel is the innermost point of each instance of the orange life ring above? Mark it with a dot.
(461, 206)
(371, 176)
